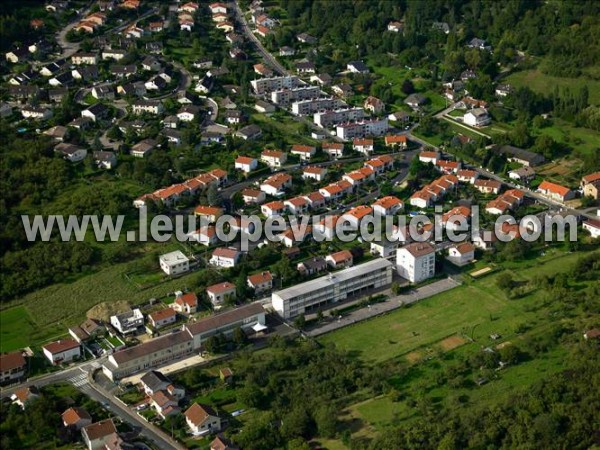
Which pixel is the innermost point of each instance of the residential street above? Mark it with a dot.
(269, 59)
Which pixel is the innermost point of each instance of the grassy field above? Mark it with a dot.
(425, 323)
(50, 311)
(544, 84)
(418, 335)
(479, 305)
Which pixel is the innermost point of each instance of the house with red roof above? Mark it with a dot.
(12, 366)
(461, 254)
(396, 141)
(271, 209)
(246, 164)
(62, 351)
(202, 419)
(221, 292)
(487, 186)
(590, 185)
(340, 260)
(260, 282)
(162, 318)
(185, 303)
(387, 206)
(305, 152)
(555, 191)
(314, 173)
(225, 257)
(76, 417)
(364, 146)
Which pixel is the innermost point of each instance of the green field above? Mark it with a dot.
(544, 84)
(47, 313)
(410, 338)
(426, 323)
(478, 305)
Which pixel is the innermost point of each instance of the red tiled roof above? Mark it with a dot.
(224, 252)
(73, 415)
(221, 287)
(61, 346)
(197, 414)
(554, 188)
(259, 278)
(11, 361)
(163, 314)
(189, 299)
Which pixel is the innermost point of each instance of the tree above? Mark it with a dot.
(505, 281)
(296, 423)
(212, 344)
(326, 420)
(239, 337)
(408, 87)
(300, 322)
(395, 288)
(114, 133)
(319, 315)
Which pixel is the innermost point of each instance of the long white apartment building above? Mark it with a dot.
(190, 339)
(307, 107)
(263, 86)
(416, 261)
(308, 297)
(373, 127)
(330, 118)
(285, 97)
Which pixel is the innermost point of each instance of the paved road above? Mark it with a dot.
(268, 57)
(54, 377)
(94, 390)
(378, 309)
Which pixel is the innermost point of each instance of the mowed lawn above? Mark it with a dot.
(15, 328)
(545, 84)
(476, 309)
(422, 324)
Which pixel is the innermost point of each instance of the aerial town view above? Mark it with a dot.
(300, 224)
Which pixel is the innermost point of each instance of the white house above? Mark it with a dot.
(221, 292)
(461, 254)
(202, 419)
(225, 257)
(128, 322)
(364, 146)
(314, 173)
(96, 435)
(387, 206)
(255, 196)
(260, 282)
(205, 236)
(246, 164)
(271, 209)
(273, 158)
(477, 117)
(62, 351)
(164, 317)
(593, 226)
(174, 263)
(416, 261)
(305, 152)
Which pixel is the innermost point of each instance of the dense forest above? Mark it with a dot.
(565, 32)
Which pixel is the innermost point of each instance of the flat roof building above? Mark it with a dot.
(310, 296)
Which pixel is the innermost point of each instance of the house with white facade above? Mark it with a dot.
(62, 351)
(221, 292)
(225, 257)
(174, 263)
(416, 262)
